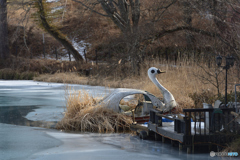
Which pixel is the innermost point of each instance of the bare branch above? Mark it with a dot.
(90, 8)
(189, 28)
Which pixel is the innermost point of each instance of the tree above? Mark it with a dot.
(52, 30)
(204, 22)
(4, 48)
(125, 14)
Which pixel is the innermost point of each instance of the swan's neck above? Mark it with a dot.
(156, 82)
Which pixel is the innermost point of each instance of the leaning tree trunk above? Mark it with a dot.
(4, 48)
(56, 33)
(187, 12)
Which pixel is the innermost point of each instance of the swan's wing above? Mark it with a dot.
(113, 99)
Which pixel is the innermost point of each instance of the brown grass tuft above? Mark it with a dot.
(233, 146)
(83, 114)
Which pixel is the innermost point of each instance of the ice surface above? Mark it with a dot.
(48, 97)
(39, 101)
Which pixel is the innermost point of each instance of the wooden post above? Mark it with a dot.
(188, 150)
(163, 139)
(43, 46)
(188, 125)
(210, 147)
(193, 143)
(180, 146)
(96, 57)
(56, 53)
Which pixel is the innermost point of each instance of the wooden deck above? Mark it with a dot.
(218, 129)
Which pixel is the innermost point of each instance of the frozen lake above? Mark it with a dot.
(29, 111)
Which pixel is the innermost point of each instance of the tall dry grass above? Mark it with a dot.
(182, 79)
(82, 114)
(188, 78)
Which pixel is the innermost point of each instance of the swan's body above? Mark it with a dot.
(113, 99)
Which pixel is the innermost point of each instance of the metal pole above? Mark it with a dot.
(226, 88)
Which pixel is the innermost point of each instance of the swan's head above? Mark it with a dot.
(153, 71)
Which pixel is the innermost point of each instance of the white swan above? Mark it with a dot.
(113, 99)
(168, 99)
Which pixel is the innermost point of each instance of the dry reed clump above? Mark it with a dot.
(83, 114)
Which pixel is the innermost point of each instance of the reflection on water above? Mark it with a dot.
(16, 115)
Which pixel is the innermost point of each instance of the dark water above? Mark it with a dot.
(16, 116)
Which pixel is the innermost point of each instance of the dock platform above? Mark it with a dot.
(197, 127)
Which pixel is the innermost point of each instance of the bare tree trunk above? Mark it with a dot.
(187, 11)
(121, 12)
(56, 33)
(4, 48)
(135, 8)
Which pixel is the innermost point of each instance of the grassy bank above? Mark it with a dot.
(189, 84)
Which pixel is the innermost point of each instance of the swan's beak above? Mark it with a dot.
(159, 71)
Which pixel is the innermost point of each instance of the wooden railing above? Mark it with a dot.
(208, 121)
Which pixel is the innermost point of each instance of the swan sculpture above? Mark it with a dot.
(113, 99)
(168, 99)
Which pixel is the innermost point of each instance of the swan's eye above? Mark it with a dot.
(152, 71)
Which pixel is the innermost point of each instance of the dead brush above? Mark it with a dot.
(82, 114)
